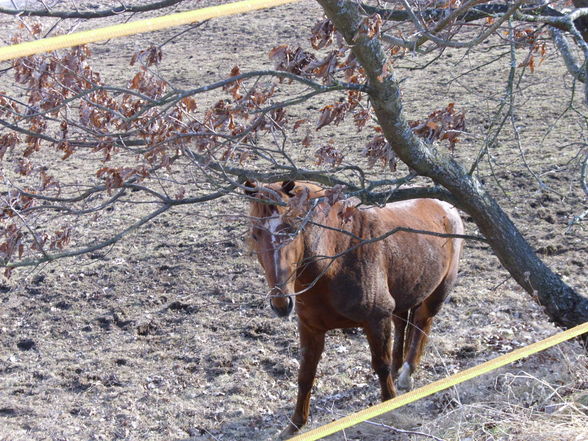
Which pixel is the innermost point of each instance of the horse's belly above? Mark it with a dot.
(317, 312)
(408, 292)
(407, 302)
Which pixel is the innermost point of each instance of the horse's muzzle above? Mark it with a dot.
(284, 312)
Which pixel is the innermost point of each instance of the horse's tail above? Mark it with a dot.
(408, 336)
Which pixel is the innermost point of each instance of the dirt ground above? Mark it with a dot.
(168, 335)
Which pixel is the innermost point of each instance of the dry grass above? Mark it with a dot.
(524, 406)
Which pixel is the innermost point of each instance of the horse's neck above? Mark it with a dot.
(326, 237)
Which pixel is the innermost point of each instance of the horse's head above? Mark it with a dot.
(276, 240)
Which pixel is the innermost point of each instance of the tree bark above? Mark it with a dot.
(563, 304)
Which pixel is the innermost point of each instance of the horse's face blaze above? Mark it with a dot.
(279, 250)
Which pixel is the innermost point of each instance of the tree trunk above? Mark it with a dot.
(563, 305)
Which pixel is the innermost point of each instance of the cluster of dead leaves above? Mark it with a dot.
(291, 60)
(441, 125)
(340, 65)
(10, 244)
(370, 27)
(328, 155)
(325, 67)
(116, 177)
(11, 236)
(54, 81)
(333, 66)
(378, 150)
(106, 118)
(7, 142)
(530, 38)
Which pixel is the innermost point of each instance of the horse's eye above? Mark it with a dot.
(254, 236)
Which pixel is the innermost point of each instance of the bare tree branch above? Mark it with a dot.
(562, 44)
(467, 14)
(425, 35)
(46, 257)
(584, 174)
(117, 10)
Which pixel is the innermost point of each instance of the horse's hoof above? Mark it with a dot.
(404, 382)
(405, 385)
(288, 432)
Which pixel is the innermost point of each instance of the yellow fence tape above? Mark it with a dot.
(439, 385)
(135, 27)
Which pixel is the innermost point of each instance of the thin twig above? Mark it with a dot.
(405, 432)
(91, 14)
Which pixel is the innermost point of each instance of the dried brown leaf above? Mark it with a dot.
(67, 148)
(379, 150)
(445, 124)
(288, 60)
(370, 27)
(332, 113)
(149, 57)
(324, 69)
(361, 118)
(328, 155)
(335, 194)
(322, 34)
(298, 123)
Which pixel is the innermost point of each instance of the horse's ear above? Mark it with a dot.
(287, 187)
(250, 187)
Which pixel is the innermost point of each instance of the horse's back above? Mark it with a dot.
(441, 216)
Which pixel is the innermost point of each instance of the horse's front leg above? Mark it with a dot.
(379, 336)
(312, 344)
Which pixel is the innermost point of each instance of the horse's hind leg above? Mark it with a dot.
(311, 347)
(379, 336)
(420, 327)
(421, 319)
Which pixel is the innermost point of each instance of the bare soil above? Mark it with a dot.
(168, 335)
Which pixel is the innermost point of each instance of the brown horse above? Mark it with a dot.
(355, 267)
